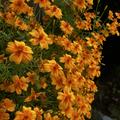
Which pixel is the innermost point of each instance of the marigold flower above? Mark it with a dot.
(113, 27)
(89, 15)
(43, 83)
(18, 5)
(2, 58)
(4, 115)
(42, 3)
(76, 48)
(80, 24)
(48, 116)
(4, 85)
(31, 77)
(110, 15)
(39, 37)
(58, 81)
(81, 4)
(92, 86)
(33, 96)
(39, 113)
(8, 105)
(53, 67)
(66, 98)
(118, 15)
(68, 60)
(90, 97)
(20, 52)
(71, 81)
(82, 104)
(67, 111)
(75, 115)
(53, 10)
(65, 42)
(20, 24)
(80, 81)
(92, 42)
(90, 2)
(26, 114)
(9, 17)
(66, 27)
(1, 14)
(19, 84)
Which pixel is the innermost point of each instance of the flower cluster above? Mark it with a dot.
(50, 53)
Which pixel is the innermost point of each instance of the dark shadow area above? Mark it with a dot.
(107, 99)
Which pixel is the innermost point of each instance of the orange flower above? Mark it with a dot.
(8, 105)
(66, 27)
(67, 111)
(20, 52)
(82, 104)
(66, 98)
(110, 15)
(39, 113)
(113, 27)
(58, 81)
(80, 4)
(33, 96)
(42, 3)
(18, 5)
(91, 86)
(4, 115)
(118, 15)
(76, 48)
(53, 67)
(71, 81)
(19, 84)
(40, 37)
(48, 116)
(90, 97)
(2, 58)
(90, 2)
(31, 77)
(26, 114)
(1, 14)
(20, 24)
(91, 42)
(75, 115)
(53, 10)
(80, 81)
(68, 60)
(80, 24)
(89, 15)
(43, 83)
(9, 17)
(65, 42)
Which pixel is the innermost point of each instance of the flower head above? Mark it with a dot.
(8, 105)
(39, 113)
(53, 10)
(26, 114)
(19, 84)
(33, 96)
(66, 27)
(4, 115)
(2, 58)
(66, 98)
(20, 52)
(39, 37)
(80, 4)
